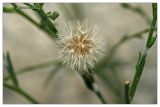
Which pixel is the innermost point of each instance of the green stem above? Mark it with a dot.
(106, 60)
(126, 92)
(48, 24)
(20, 12)
(137, 10)
(142, 58)
(100, 97)
(20, 91)
(51, 75)
(25, 15)
(152, 39)
(92, 85)
(11, 70)
(33, 67)
(139, 70)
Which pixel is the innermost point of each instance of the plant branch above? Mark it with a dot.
(18, 10)
(48, 25)
(92, 85)
(137, 10)
(51, 75)
(105, 62)
(126, 92)
(11, 70)
(100, 66)
(142, 57)
(21, 92)
(34, 67)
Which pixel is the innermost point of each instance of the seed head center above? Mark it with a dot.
(80, 45)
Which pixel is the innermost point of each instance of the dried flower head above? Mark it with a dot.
(80, 45)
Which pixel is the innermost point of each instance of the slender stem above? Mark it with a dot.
(48, 22)
(142, 58)
(51, 75)
(11, 70)
(100, 66)
(107, 60)
(49, 26)
(92, 85)
(100, 97)
(138, 73)
(21, 92)
(126, 38)
(33, 67)
(25, 15)
(151, 39)
(22, 13)
(137, 10)
(126, 92)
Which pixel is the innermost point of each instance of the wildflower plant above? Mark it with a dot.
(81, 49)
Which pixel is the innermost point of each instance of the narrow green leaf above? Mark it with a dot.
(41, 5)
(8, 10)
(50, 27)
(139, 58)
(38, 5)
(53, 15)
(29, 5)
(125, 5)
(10, 70)
(154, 8)
(151, 39)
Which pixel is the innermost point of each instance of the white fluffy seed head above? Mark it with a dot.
(81, 46)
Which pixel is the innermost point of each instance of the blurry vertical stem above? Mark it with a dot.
(137, 10)
(21, 92)
(126, 92)
(142, 57)
(78, 11)
(72, 11)
(92, 85)
(51, 74)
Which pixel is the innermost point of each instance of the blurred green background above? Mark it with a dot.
(29, 45)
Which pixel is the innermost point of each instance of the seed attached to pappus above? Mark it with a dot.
(81, 46)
